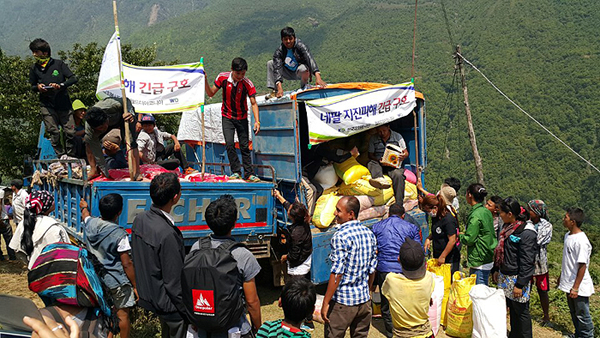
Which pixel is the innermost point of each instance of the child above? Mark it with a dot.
(110, 244)
(236, 89)
(298, 302)
(409, 293)
(575, 277)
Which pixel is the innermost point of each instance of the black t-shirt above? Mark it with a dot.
(440, 230)
(58, 72)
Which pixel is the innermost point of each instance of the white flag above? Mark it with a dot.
(152, 90)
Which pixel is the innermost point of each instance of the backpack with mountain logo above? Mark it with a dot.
(210, 282)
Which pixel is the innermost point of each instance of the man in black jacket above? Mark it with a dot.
(158, 253)
(50, 78)
(291, 61)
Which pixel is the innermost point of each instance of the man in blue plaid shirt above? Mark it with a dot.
(347, 302)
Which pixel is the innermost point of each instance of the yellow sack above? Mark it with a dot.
(459, 316)
(362, 187)
(383, 196)
(410, 191)
(324, 210)
(350, 170)
(445, 271)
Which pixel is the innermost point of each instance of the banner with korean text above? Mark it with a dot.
(346, 115)
(152, 90)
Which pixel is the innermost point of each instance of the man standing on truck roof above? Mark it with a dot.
(291, 61)
(347, 302)
(103, 117)
(385, 135)
(50, 78)
(237, 88)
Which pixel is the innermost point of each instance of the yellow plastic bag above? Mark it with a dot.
(324, 210)
(383, 196)
(362, 187)
(445, 271)
(350, 170)
(410, 191)
(459, 316)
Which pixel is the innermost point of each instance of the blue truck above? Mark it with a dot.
(277, 156)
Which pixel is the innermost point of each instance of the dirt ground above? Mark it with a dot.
(13, 281)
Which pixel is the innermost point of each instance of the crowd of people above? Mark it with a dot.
(153, 270)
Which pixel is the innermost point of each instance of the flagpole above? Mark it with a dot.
(203, 129)
(130, 161)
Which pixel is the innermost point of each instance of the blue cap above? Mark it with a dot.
(148, 118)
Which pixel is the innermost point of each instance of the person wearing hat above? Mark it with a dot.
(79, 110)
(103, 117)
(38, 228)
(409, 292)
(480, 235)
(538, 216)
(151, 145)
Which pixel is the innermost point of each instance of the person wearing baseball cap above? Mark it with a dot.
(151, 145)
(79, 111)
(409, 292)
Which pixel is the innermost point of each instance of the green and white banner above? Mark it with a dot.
(152, 90)
(346, 115)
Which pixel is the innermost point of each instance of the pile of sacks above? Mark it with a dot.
(355, 177)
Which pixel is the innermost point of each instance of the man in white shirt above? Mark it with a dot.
(152, 148)
(18, 201)
(575, 277)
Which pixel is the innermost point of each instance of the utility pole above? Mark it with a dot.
(478, 165)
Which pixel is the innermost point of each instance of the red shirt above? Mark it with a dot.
(235, 96)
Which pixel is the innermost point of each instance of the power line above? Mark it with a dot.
(528, 115)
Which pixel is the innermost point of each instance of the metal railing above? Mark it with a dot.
(223, 165)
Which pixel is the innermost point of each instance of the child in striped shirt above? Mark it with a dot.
(298, 301)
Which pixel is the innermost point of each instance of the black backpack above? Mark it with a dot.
(210, 282)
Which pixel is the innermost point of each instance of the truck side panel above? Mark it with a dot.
(254, 200)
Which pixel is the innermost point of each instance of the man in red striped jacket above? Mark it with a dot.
(236, 90)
